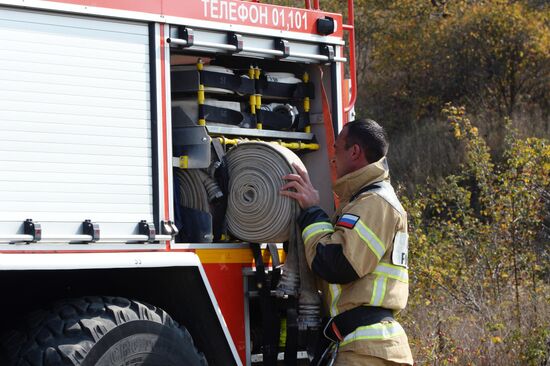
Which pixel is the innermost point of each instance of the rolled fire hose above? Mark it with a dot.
(197, 189)
(256, 212)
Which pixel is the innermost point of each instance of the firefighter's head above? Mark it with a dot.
(361, 142)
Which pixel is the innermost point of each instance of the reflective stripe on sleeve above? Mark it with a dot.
(379, 290)
(391, 271)
(375, 332)
(370, 238)
(316, 228)
(335, 292)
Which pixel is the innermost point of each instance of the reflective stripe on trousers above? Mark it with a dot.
(378, 331)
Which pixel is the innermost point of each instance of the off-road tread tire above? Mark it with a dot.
(67, 331)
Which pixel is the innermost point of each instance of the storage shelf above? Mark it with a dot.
(251, 132)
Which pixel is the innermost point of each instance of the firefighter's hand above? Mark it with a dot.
(300, 188)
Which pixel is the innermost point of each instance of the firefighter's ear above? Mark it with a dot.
(356, 151)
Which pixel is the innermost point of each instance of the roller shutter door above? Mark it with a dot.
(75, 123)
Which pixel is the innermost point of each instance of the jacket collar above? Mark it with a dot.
(345, 187)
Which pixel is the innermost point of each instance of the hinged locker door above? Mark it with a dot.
(75, 125)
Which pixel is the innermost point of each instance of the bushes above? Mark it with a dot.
(479, 264)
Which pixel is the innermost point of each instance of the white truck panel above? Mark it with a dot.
(91, 150)
(12, 42)
(75, 120)
(45, 107)
(55, 138)
(16, 262)
(82, 81)
(65, 128)
(73, 70)
(23, 156)
(117, 95)
(75, 123)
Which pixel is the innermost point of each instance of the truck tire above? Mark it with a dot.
(101, 331)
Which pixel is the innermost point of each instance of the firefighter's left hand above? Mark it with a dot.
(303, 191)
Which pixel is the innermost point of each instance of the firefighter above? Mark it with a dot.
(361, 255)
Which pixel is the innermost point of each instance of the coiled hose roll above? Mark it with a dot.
(197, 189)
(257, 213)
(255, 210)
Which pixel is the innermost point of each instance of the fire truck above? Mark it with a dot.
(118, 123)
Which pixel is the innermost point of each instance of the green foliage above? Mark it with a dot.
(484, 54)
(535, 346)
(474, 238)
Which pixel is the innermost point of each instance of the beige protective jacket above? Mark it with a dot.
(361, 255)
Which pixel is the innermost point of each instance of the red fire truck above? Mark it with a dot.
(110, 113)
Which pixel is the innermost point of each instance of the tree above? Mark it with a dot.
(496, 52)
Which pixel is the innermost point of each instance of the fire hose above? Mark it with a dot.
(258, 213)
(197, 189)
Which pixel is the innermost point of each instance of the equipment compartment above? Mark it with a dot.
(217, 103)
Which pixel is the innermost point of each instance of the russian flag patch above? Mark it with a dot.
(348, 221)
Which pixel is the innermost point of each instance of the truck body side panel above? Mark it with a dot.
(75, 124)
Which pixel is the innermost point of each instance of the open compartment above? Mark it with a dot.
(220, 99)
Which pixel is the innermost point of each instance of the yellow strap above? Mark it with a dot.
(252, 101)
(200, 94)
(184, 162)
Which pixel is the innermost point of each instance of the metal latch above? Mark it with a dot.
(147, 229)
(282, 45)
(236, 40)
(185, 37)
(91, 229)
(327, 50)
(33, 229)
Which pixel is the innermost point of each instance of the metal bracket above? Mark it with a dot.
(327, 50)
(193, 142)
(236, 40)
(89, 228)
(218, 149)
(188, 35)
(33, 229)
(147, 229)
(168, 227)
(284, 46)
